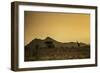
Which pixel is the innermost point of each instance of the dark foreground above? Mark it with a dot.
(42, 54)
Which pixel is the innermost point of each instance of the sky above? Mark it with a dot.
(63, 27)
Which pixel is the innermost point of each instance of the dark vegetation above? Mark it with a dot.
(50, 49)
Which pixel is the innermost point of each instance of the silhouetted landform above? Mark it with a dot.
(50, 49)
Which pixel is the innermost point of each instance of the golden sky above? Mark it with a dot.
(63, 27)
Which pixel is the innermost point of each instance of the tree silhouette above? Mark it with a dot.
(78, 44)
(34, 50)
(49, 44)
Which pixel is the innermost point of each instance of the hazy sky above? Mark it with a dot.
(63, 27)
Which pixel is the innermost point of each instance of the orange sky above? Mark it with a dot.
(63, 27)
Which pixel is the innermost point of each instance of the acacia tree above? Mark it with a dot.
(49, 44)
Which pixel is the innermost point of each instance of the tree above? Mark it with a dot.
(78, 44)
(49, 44)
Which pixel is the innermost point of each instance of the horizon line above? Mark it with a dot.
(58, 41)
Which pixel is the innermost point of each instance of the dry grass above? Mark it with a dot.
(59, 54)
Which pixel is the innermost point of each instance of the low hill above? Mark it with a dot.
(49, 47)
